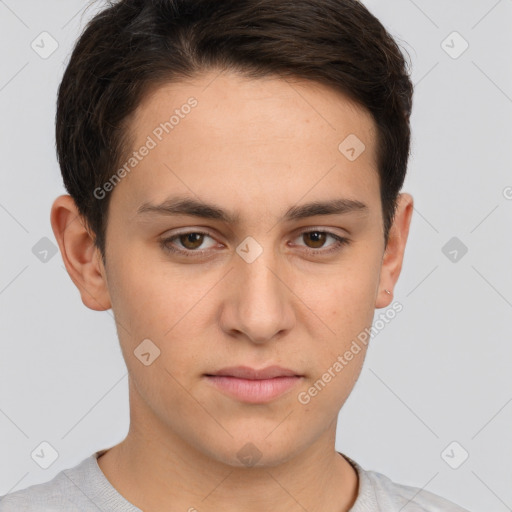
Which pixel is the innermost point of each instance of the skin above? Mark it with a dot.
(254, 148)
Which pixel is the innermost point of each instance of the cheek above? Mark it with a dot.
(149, 297)
(171, 310)
(344, 301)
(343, 307)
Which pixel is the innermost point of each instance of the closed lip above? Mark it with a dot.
(246, 372)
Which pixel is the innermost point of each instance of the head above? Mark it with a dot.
(234, 172)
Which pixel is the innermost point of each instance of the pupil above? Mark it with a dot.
(192, 238)
(318, 237)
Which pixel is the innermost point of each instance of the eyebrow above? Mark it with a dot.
(180, 205)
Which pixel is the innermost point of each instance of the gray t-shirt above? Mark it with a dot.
(84, 488)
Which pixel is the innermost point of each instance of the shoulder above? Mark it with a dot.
(411, 499)
(60, 494)
(379, 492)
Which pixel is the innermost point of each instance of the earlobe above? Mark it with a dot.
(394, 253)
(79, 254)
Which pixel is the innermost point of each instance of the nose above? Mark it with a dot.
(259, 301)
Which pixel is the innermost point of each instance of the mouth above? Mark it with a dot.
(249, 385)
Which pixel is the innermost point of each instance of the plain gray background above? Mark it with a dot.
(439, 373)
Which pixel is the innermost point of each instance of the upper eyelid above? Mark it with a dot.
(172, 238)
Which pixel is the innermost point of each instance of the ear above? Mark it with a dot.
(394, 253)
(81, 258)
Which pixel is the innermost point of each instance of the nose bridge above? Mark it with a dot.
(261, 303)
(259, 281)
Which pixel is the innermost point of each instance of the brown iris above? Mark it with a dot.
(317, 236)
(195, 239)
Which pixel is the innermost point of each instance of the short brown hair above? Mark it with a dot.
(133, 45)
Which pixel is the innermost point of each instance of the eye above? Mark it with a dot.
(317, 239)
(190, 243)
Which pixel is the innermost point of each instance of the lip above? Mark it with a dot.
(249, 385)
(246, 372)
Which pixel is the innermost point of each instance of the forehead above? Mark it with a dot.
(252, 108)
(224, 131)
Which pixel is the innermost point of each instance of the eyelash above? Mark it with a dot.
(340, 242)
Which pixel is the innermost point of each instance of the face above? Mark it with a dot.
(281, 268)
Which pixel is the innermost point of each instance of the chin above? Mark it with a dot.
(254, 451)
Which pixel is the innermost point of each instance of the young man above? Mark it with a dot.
(234, 170)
